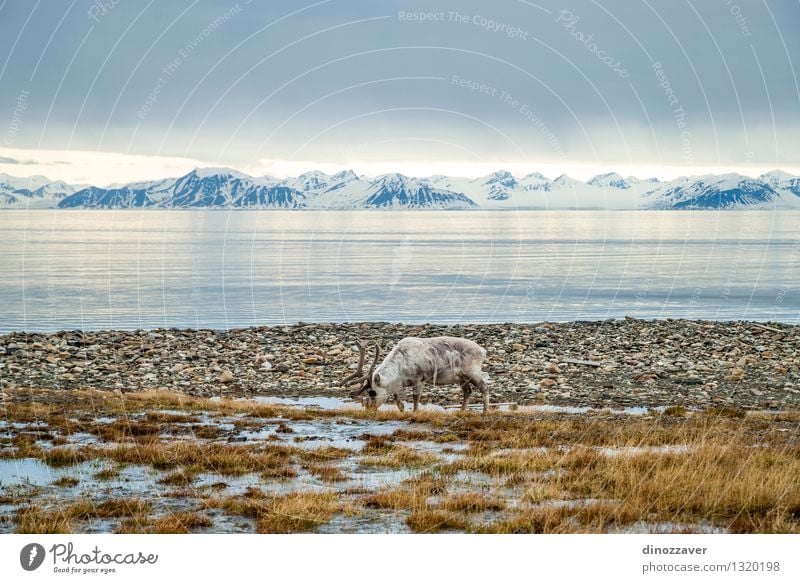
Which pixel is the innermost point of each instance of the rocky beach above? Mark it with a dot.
(605, 364)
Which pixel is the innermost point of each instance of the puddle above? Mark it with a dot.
(230, 524)
(583, 410)
(234, 484)
(373, 477)
(81, 438)
(554, 409)
(473, 479)
(131, 480)
(327, 403)
(517, 450)
(335, 403)
(374, 522)
(467, 482)
(175, 412)
(455, 449)
(26, 471)
(485, 517)
(615, 451)
(96, 525)
(33, 426)
(576, 503)
(343, 433)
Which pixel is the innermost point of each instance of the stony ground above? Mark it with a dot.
(615, 363)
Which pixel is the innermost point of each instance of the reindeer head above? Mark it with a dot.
(370, 382)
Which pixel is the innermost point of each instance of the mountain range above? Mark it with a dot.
(227, 188)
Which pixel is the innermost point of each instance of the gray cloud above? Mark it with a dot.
(610, 81)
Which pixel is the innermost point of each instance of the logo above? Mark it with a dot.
(31, 556)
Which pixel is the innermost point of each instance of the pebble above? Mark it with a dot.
(648, 363)
(552, 368)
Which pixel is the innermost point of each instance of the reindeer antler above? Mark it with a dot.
(351, 379)
(359, 376)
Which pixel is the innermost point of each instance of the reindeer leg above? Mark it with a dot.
(467, 390)
(399, 400)
(417, 390)
(484, 388)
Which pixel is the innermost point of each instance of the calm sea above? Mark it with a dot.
(219, 269)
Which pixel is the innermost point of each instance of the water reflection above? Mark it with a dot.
(221, 269)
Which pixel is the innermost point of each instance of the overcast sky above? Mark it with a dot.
(115, 90)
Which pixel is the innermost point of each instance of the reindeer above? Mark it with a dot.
(443, 360)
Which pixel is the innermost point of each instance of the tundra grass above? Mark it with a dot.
(516, 472)
(182, 522)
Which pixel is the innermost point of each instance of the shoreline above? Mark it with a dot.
(600, 364)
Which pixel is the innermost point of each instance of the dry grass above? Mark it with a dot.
(173, 523)
(737, 486)
(107, 474)
(549, 520)
(322, 454)
(732, 468)
(181, 477)
(731, 412)
(33, 519)
(377, 444)
(169, 417)
(59, 457)
(326, 473)
(55, 407)
(113, 508)
(251, 504)
(539, 490)
(229, 460)
(66, 482)
(411, 435)
(411, 494)
(300, 512)
(294, 512)
(399, 456)
(471, 502)
(124, 430)
(521, 430)
(429, 520)
(207, 432)
(781, 416)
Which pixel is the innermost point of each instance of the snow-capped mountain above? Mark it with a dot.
(780, 180)
(342, 190)
(201, 188)
(724, 191)
(610, 180)
(310, 181)
(227, 188)
(32, 191)
(536, 181)
(30, 183)
(499, 185)
(398, 191)
(565, 181)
